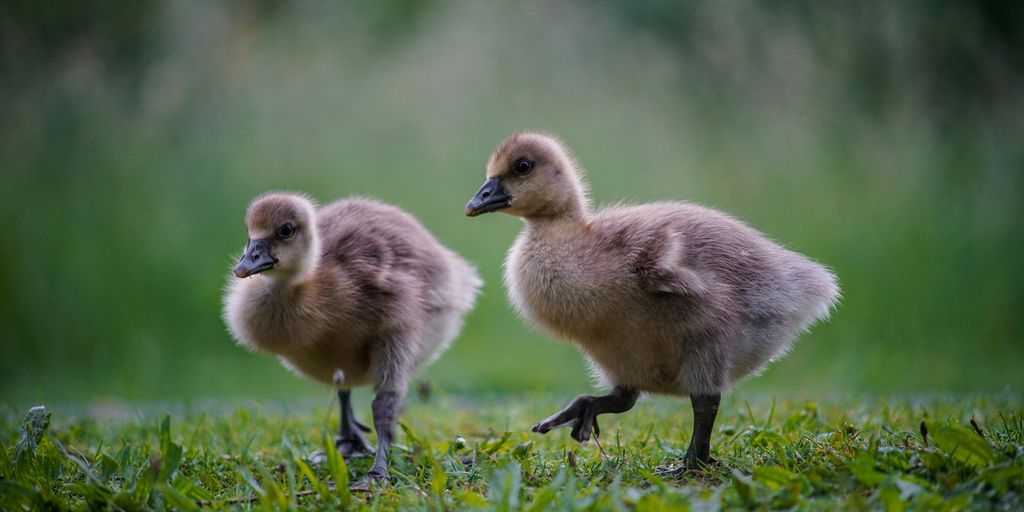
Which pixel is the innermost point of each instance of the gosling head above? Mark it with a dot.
(531, 175)
(282, 236)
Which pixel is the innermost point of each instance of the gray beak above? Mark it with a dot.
(489, 198)
(257, 258)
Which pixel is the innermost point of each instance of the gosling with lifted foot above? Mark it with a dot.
(668, 298)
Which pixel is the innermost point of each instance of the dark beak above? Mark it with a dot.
(489, 198)
(256, 259)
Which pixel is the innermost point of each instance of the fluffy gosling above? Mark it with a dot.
(668, 298)
(356, 293)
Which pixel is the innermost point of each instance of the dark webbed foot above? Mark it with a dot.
(691, 466)
(354, 445)
(371, 481)
(376, 477)
(582, 413)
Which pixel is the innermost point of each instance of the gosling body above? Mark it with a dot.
(669, 298)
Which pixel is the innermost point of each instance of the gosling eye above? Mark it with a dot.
(522, 166)
(286, 231)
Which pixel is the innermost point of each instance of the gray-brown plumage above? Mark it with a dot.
(356, 293)
(669, 298)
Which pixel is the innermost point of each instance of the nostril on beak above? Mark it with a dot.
(255, 255)
(486, 194)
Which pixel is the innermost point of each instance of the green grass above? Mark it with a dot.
(477, 453)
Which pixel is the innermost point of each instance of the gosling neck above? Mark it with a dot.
(309, 263)
(572, 215)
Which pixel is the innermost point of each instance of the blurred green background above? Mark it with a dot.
(885, 139)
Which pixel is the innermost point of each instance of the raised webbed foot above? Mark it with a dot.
(581, 414)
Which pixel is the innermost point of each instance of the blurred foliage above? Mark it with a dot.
(884, 139)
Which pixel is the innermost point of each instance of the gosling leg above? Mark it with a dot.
(350, 441)
(386, 408)
(698, 454)
(705, 410)
(582, 413)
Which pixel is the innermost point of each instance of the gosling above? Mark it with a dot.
(356, 293)
(668, 298)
